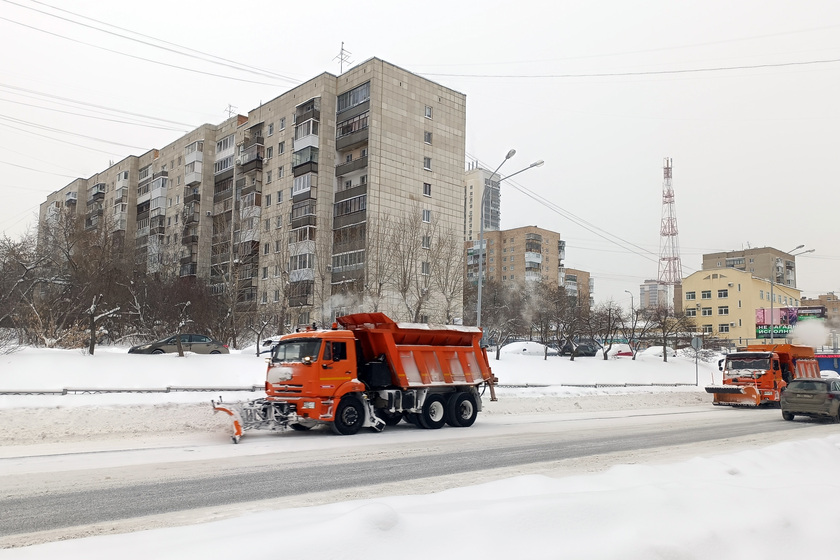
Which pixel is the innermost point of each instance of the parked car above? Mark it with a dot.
(583, 349)
(819, 398)
(198, 343)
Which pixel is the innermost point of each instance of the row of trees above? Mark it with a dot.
(546, 313)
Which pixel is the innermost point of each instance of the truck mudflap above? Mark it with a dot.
(735, 395)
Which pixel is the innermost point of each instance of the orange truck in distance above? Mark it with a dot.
(373, 373)
(757, 374)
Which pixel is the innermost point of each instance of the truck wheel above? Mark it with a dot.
(433, 414)
(461, 410)
(349, 416)
(787, 415)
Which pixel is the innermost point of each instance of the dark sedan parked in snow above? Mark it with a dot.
(197, 343)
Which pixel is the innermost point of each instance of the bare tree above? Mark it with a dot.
(636, 328)
(605, 321)
(669, 324)
(447, 269)
(380, 263)
(21, 271)
(411, 272)
(501, 314)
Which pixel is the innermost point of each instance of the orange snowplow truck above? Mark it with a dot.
(371, 373)
(757, 374)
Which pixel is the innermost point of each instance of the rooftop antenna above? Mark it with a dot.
(343, 56)
(231, 110)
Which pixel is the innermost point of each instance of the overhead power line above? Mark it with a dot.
(94, 105)
(207, 57)
(184, 68)
(643, 72)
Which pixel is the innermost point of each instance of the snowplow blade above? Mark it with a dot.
(733, 395)
(235, 416)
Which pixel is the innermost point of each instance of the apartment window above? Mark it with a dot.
(266, 248)
(723, 310)
(426, 268)
(225, 144)
(707, 329)
(707, 312)
(690, 295)
(691, 312)
(282, 123)
(264, 298)
(268, 180)
(363, 180)
(268, 196)
(427, 241)
(348, 184)
(270, 130)
(427, 189)
(363, 152)
(281, 148)
(278, 222)
(428, 112)
(723, 328)
(277, 247)
(427, 137)
(276, 296)
(265, 272)
(348, 158)
(355, 96)
(280, 194)
(279, 175)
(269, 152)
(706, 294)
(427, 216)
(723, 293)
(760, 294)
(427, 163)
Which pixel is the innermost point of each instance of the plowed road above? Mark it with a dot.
(77, 489)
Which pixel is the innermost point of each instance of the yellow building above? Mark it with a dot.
(728, 303)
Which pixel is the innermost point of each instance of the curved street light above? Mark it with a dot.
(481, 252)
(773, 283)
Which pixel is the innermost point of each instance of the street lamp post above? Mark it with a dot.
(631, 300)
(509, 155)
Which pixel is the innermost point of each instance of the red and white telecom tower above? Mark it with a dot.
(670, 266)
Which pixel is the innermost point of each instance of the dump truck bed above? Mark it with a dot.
(421, 355)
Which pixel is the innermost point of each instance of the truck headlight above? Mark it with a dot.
(309, 404)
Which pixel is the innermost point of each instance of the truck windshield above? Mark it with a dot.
(296, 350)
(748, 363)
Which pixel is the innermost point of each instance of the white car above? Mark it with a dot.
(827, 373)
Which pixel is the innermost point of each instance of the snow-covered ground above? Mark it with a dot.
(775, 502)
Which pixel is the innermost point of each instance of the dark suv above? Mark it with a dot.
(812, 397)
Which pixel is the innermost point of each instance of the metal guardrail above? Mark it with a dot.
(260, 388)
(100, 391)
(596, 385)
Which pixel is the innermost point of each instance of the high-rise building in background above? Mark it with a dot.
(331, 198)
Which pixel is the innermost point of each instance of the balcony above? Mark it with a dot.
(188, 269)
(96, 193)
(189, 239)
(193, 177)
(351, 166)
(191, 195)
(189, 259)
(190, 217)
(352, 140)
(70, 198)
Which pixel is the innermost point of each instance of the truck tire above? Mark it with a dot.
(349, 416)
(461, 410)
(433, 414)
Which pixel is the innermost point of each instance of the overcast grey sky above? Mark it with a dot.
(743, 95)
